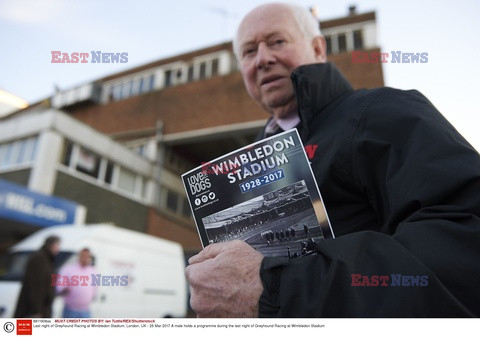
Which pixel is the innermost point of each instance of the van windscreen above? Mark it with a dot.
(16, 262)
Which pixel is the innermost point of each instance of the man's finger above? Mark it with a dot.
(207, 253)
(212, 250)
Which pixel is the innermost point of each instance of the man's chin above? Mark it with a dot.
(283, 111)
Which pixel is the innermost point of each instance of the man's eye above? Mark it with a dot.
(276, 43)
(248, 51)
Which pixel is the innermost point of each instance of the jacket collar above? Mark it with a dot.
(316, 85)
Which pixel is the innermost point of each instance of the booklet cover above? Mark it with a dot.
(264, 194)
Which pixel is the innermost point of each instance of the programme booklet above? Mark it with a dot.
(264, 194)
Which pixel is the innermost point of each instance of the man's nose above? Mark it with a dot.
(264, 56)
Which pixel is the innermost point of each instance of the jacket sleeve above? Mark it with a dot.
(423, 181)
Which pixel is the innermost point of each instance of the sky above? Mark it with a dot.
(152, 30)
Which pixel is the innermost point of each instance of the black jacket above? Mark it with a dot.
(402, 191)
(37, 293)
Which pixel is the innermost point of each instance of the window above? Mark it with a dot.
(127, 90)
(21, 151)
(203, 71)
(168, 79)
(141, 187)
(117, 92)
(26, 150)
(186, 208)
(131, 182)
(7, 159)
(140, 149)
(190, 73)
(18, 152)
(342, 43)
(82, 160)
(3, 150)
(175, 202)
(16, 262)
(129, 87)
(151, 82)
(175, 162)
(145, 84)
(214, 71)
(67, 154)
(328, 40)
(88, 163)
(126, 180)
(104, 172)
(134, 90)
(173, 77)
(172, 201)
(179, 76)
(175, 73)
(204, 67)
(357, 39)
(109, 173)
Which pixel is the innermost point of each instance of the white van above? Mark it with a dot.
(154, 268)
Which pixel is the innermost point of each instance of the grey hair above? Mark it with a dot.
(306, 21)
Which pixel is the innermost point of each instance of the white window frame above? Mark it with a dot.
(123, 81)
(139, 192)
(18, 159)
(174, 68)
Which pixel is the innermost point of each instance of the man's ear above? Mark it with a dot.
(320, 48)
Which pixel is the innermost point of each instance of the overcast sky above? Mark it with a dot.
(151, 30)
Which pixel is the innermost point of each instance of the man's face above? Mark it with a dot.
(55, 248)
(85, 258)
(270, 46)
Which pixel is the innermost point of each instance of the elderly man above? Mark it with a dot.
(400, 185)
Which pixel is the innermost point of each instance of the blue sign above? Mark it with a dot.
(20, 204)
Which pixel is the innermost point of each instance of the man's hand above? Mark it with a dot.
(225, 280)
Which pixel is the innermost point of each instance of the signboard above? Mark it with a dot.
(21, 204)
